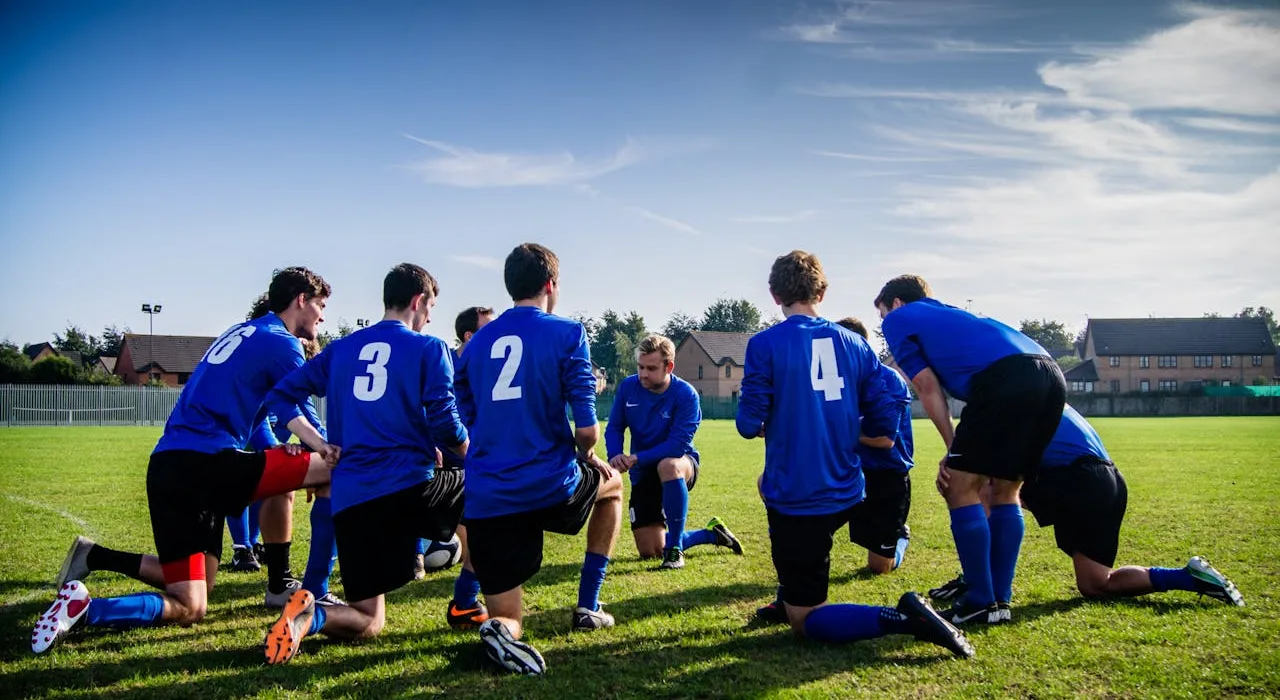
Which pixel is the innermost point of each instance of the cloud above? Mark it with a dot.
(1239, 126)
(794, 217)
(673, 224)
(482, 261)
(877, 159)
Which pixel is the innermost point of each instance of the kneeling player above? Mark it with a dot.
(1079, 492)
(197, 474)
(391, 388)
(663, 412)
(803, 375)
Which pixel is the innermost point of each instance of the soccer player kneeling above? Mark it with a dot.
(807, 385)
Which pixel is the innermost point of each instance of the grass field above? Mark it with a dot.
(1208, 486)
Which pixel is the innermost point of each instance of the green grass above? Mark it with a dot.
(1207, 486)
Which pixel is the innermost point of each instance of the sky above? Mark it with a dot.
(1030, 159)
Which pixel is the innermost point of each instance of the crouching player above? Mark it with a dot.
(197, 473)
(391, 389)
(807, 386)
(1079, 492)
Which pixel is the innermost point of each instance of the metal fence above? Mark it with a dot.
(51, 404)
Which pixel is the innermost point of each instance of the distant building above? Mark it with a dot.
(166, 358)
(713, 362)
(1173, 354)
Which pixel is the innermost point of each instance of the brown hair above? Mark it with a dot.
(288, 283)
(528, 269)
(659, 344)
(468, 321)
(797, 277)
(908, 288)
(404, 282)
(854, 325)
(260, 308)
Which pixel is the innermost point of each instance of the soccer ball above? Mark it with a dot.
(442, 555)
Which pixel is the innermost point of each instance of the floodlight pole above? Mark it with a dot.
(150, 310)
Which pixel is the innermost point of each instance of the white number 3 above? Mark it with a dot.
(824, 371)
(373, 386)
(511, 348)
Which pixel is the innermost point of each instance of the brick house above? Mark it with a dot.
(167, 358)
(713, 362)
(1173, 354)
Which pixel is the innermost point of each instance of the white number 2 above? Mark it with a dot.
(222, 348)
(824, 371)
(511, 348)
(374, 385)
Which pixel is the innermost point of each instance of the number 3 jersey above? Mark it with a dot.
(390, 402)
(221, 404)
(514, 379)
(807, 382)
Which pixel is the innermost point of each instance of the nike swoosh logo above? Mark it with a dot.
(889, 546)
(454, 611)
(632, 405)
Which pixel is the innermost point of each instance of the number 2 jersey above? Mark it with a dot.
(391, 404)
(809, 383)
(221, 404)
(514, 380)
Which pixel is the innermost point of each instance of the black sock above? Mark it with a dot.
(276, 559)
(100, 558)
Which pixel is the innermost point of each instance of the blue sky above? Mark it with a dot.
(1030, 159)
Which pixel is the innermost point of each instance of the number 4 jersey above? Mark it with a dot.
(515, 378)
(390, 403)
(807, 381)
(222, 403)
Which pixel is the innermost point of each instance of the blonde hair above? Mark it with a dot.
(659, 344)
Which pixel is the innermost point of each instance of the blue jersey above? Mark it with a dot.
(662, 425)
(808, 382)
(271, 432)
(452, 460)
(952, 342)
(900, 457)
(221, 405)
(393, 391)
(1074, 439)
(516, 378)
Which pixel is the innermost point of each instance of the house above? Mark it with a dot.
(713, 362)
(1173, 354)
(167, 358)
(39, 351)
(104, 365)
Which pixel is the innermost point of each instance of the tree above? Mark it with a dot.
(55, 370)
(608, 349)
(731, 316)
(111, 341)
(15, 368)
(1267, 315)
(590, 325)
(770, 322)
(1051, 335)
(76, 340)
(680, 325)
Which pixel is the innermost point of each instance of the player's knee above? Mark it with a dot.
(879, 565)
(649, 551)
(191, 613)
(669, 469)
(610, 489)
(1093, 586)
(374, 628)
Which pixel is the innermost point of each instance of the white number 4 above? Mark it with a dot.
(374, 385)
(511, 348)
(824, 371)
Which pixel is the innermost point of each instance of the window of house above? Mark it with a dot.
(1115, 386)
(728, 371)
(1226, 360)
(1077, 387)
(1226, 382)
(1144, 385)
(1144, 362)
(183, 377)
(699, 371)
(734, 396)
(1168, 361)
(1203, 361)
(1257, 360)
(1114, 361)
(1168, 385)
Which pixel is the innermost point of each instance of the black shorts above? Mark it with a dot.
(881, 518)
(1085, 504)
(1013, 411)
(801, 548)
(506, 550)
(377, 539)
(645, 504)
(190, 493)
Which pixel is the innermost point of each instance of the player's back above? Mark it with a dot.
(393, 390)
(1075, 438)
(515, 378)
(956, 343)
(221, 404)
(812, 375)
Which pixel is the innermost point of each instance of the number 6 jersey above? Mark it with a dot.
(514, 379)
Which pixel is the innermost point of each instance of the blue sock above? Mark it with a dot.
(422, 545)
(593, 566)
(466, 589)
(324, 548)
(1171, 579)
(675, 505)
(900, 552)
(693, 538)
(973, 547)
(255, 532)
(844, 622)
(318, 619)
(1007, 529)
(137, 610)
(238, 526)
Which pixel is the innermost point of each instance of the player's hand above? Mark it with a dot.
(619, 462)
(311, 494)
(439, 459)
(330, 454)
(293, 449)
(593, 460)
(944, 477)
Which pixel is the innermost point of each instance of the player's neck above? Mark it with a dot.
(538, 302)
(404, 316)
(661, 389)
(800, 308)
(289, 320)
